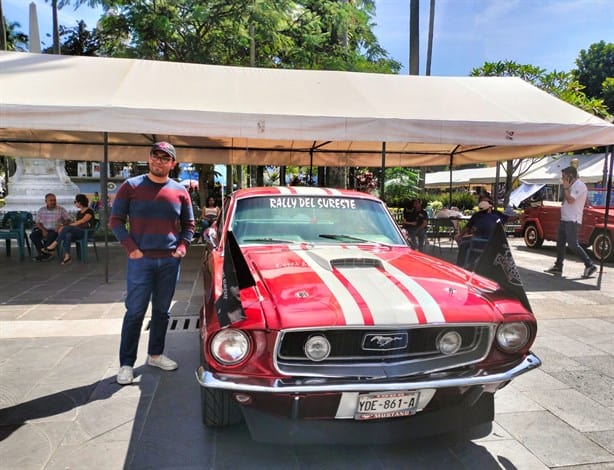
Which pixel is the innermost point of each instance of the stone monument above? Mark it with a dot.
(36, 177)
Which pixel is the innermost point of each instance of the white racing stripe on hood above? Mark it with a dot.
(351, 310)
(388, 304)
(429, 305)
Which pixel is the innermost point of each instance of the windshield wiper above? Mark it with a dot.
(267, 240)
(333, 236)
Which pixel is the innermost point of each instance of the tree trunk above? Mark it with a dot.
(414, 37)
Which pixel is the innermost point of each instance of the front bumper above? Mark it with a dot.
(437, 380)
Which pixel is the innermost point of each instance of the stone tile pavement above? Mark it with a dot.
(61, 408)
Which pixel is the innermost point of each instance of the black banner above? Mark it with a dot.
(497, 263)
(236, 276)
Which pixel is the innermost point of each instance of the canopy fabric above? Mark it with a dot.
(590, 169)
(522, 192)
(59, 107)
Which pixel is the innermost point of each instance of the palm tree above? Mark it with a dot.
(57, 5)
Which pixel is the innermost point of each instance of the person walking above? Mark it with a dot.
(73, 231)
(161, 229)
(49, 219)
(572, 209)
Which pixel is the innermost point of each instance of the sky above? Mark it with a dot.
(546, 33)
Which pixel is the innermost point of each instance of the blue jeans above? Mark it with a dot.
(147, 279)
(568, 235)
(68, 234)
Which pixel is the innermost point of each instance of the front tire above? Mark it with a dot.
(219, 408)
(531, 237)
(602, 247)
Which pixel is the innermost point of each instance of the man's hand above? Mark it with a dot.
(136, 254)
(179, 252)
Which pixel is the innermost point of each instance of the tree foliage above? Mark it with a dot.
(307, 34)
(16, 40)
(77, 41)
(596, 71)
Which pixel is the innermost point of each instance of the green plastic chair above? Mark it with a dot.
(14, 224)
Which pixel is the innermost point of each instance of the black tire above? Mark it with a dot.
(531, 237)
(602, 247)
(219, 408)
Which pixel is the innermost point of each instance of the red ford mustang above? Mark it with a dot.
(320, 324)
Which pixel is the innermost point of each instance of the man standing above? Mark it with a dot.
(161, 228)
(49, 219)
(574, 198)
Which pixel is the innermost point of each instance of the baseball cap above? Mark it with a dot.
(166, 148)
(484, 205)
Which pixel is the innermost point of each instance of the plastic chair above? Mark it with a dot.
(82, 244)
(442, 228)
(476, 247)
(14, 224)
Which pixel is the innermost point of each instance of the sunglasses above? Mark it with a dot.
(160, 157)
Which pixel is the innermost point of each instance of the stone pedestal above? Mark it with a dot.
(33, 179)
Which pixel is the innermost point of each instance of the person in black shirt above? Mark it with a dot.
(416, 222)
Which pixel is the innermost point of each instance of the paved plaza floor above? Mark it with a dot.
(61, 408)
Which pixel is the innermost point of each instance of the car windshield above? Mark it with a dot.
(313, 219)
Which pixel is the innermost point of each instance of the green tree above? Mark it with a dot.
(595, 67)
(15, 39)
(307, 34)
(77, 41)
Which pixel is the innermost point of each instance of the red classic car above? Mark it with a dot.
(541, 222)
(320, 324)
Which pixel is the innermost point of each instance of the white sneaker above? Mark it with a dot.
(162, 362)
(125, 376)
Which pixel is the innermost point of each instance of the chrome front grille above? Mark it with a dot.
(379, 353)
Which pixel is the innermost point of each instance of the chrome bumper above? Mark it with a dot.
(315, 384)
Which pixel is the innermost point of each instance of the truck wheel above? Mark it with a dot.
(219, 408)
(531, 237)
(602, 247)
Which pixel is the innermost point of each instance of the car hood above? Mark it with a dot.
(363, 286)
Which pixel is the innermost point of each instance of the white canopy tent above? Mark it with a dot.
(590, 169)
(63, 107)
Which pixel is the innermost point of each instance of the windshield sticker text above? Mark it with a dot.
(311, 202)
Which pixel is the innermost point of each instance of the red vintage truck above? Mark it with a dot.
(539, 223)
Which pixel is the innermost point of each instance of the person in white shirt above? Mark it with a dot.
(574, 198)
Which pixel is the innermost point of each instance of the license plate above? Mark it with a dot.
(386, 405)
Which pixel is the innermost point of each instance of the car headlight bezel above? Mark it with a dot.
(512, 337)
(230, 346)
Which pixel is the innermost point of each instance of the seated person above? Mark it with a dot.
(48, 220)
(208, 216)
(481, 225)
(415, 223)
(74, 230)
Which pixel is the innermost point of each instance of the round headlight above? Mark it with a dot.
(230, 346)
(512, 337)
(449, 342)
(317, 348)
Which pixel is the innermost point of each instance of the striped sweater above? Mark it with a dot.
(160, 216)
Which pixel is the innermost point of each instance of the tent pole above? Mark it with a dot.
(608, 154)
(450, 194)
(104, 197)
(382, 172)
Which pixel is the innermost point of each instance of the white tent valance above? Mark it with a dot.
(59, 106)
